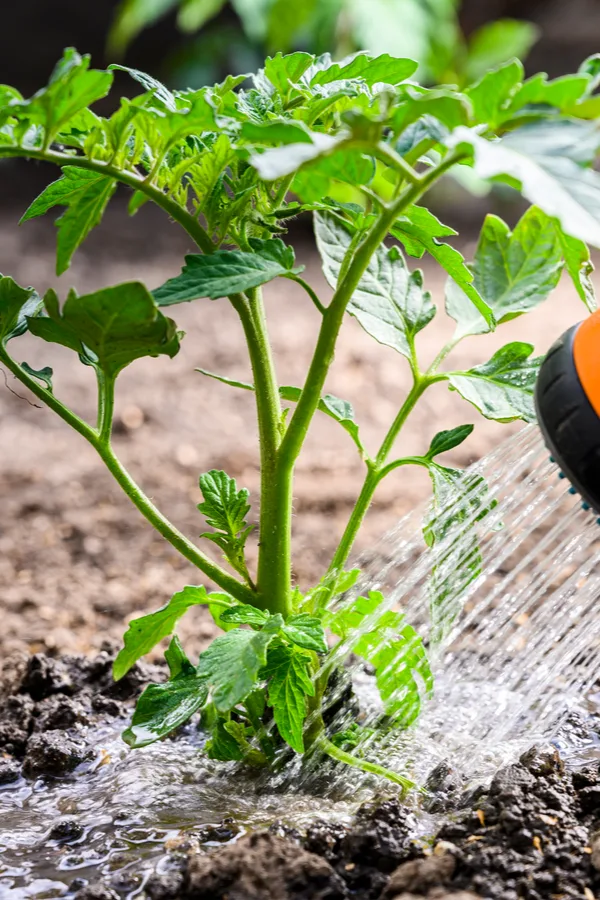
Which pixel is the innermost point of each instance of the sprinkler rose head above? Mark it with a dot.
(567, 400)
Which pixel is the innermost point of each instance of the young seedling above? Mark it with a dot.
(231, 164)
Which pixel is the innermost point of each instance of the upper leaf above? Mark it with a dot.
(117, 324)
(579, 266)
(146, 632)
(231, 665)
(447, 440)
(228, 272)
(546, 160)
(389, 301)
(502, 388)
(515, 272)
(494, 91)
(224, 507)
(16, 304)
(86, 195)
(305, 631)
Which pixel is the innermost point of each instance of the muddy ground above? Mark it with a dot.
(76, 559)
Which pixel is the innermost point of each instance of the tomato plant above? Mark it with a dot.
(231, 164)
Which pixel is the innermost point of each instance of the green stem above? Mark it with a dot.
(311, 293)
(131, 179)
(274, 562)
(376, 471)
(106, 406)
(222, 578)
(342, 756)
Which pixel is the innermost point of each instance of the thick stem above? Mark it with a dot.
(274, 562)
(222, 578)
(364, 765)
(106, 406)
(131, 179)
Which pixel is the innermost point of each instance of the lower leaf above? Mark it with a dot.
(164, 707)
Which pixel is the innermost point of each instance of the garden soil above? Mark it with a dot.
(533, 834)
(76, 559)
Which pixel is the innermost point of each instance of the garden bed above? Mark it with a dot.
(64, 834)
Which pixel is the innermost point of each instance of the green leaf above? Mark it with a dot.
(44, 375)
(223, 745)
(164, 707)
(420, 231)
(146, 632)
(389, 301)
(579, 266)
(403, 675)
(16, 305)
(380, 69)
(447, 106)
(224, 507)
(285, 71)
(539, 96)
(228, 272)
(502, 388)
(306, 631)
(86, 195)
(288, 674)
(515, 272)
(543, 159)
(73, 86)
(177, 660)
(498, 41)
(117, 324)
(244, 614)
(460, 308)
(231, 665)
(493, 92)
(283, 132)
(282, 161)
(447, 440)
(347, 619)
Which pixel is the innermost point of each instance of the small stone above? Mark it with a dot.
(420, 875)
(10, 771)
(52, 753)
(96, 892)
(45, 676)
(66, 831)
(511, 778)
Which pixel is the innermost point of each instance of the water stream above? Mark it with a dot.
(520, 655)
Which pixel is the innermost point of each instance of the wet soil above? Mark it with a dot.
(533, 833)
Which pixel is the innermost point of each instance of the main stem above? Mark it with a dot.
(274, 561)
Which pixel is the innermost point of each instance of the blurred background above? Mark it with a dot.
(75, 559)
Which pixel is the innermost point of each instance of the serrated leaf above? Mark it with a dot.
(502, 388)
(231, 665)
(306, 631)
(493, 92)
(177, 660)
(284, 71)
(288, 673)
(579, 266)
(347, 619)
(447, 106)
(164, 707)
(117, 324)
(516, 271)
(224, 507)
(544, 160)
(73, 86)
(244, 614)
(144, 633)
(16, 305)
(460, 308)
(420, 231)
(389, 301)
(283, 132)
(403, 675)
(282, 161)
(228, 272)
(86, 195)
(538, 95)
(372, 70)
(447, 440)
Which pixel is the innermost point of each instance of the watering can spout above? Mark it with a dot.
(567, 401)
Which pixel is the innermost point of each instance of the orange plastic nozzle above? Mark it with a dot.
(586, 356)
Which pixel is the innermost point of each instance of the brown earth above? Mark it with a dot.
(76, 559)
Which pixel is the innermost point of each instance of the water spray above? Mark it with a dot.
(567, 400)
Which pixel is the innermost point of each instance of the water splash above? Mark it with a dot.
(522, 655)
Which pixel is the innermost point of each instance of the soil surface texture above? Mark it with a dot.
(76, 559)
(535, 833)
